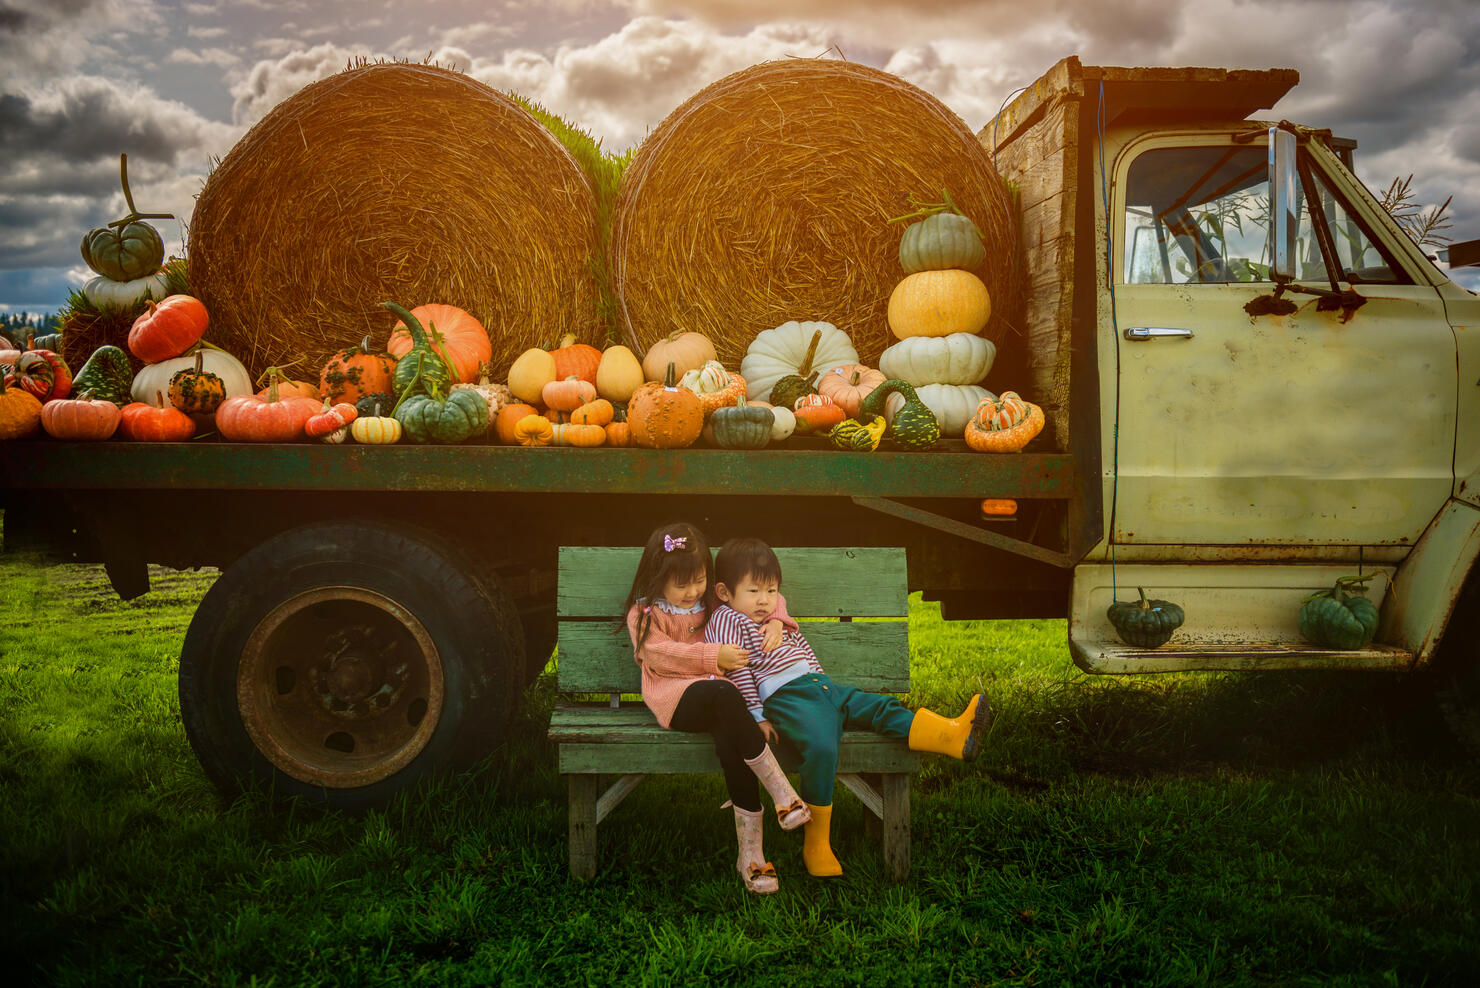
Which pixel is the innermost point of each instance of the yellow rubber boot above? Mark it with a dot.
(960, 737)
(817, 852)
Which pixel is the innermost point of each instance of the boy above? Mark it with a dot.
(787, 691)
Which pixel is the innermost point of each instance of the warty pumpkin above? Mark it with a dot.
(82, 418)
(454, 335)
(496, 395)
(168, 328)
(665, 416)
(157, 422)
(156, 377)
(195, 390)
(939, 303)
(356, 371)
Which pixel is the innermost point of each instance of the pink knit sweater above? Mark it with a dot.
(675, 655)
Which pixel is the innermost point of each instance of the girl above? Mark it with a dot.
(683, 684)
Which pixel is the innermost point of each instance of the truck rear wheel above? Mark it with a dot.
(345, 662)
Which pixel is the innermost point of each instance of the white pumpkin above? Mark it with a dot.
(775, 353)
(960, 358)
(953, 404)
(783, 420)
(102, 291)
(156, 377)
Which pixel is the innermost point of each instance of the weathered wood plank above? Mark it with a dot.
(613, 797)
(819, 581)
(867, 794)
(582, 814)
(596, 657)
(861, 752)
(897, 825)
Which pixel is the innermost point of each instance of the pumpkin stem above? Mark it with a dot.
(128, 197)
(159, 395)
(1145, 604)
(670, 380)
(806, 366)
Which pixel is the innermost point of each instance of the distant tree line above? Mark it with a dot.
(19, 325)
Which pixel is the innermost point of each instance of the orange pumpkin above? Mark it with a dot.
(817, 413)
(20, 412)
(268, 418)
(619, 433)
(577, 434)
(458, 338)
(160, 422)
(848, 384)
(534, 430)
(568, 394)
(288, 388)
(507, 418)
(80, 418)
(684, 349)
(166, 329)
(598, 412)
(981, 435)
(574, 359)
(356, 371)
(665, 416)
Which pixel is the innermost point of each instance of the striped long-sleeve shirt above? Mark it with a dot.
(767, 671)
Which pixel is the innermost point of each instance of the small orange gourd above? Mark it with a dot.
(534, 430)
(598, 412)
(577, 434)
(568, 394)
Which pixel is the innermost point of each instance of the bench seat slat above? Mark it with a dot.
(817, 582)
(596, 657)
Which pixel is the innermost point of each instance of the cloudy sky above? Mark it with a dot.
(176, 82)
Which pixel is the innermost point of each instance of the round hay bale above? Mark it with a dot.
(400, 182)
(766, 197)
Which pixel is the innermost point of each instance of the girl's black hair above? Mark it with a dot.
(676, 550)
(739, 558)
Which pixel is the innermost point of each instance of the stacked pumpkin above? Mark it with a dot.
(127, 256)
(936, 312)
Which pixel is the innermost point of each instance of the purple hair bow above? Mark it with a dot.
(670, 543)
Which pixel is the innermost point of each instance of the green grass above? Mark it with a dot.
(1176, 830)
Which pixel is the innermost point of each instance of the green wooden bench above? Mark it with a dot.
(622, 740)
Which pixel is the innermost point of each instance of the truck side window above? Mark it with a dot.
(1201, 216)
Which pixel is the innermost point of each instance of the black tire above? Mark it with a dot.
(1456, 672)
(345, 662)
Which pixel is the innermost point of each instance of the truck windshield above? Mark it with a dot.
(1201, 216)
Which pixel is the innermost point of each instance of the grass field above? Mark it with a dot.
(1174, 830)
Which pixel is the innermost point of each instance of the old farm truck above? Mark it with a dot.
(1255, 384)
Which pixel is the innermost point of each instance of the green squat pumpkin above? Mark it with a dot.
(914, 426)
(108, 375)
(1340, 617)
(421, 365)
(1145, 623)
(127, 248)
(742, 426)
(432, 418)
(946, 238)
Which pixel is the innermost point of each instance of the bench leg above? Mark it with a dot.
(897, 825)
(583, 790)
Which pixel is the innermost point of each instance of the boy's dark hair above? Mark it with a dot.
(675, 550)
(739, 558)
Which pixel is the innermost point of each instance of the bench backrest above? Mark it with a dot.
(595, 653)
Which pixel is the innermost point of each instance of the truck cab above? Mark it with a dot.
(1266, 420)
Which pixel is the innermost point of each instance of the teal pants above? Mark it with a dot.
(811, 712)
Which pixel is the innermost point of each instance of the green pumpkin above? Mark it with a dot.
(915, 425)
(1338, 618)
(431, 418)
(108, 375)
(131, 251)
(742, 426)
(428, 373)
(945, 240)
(1145, 623)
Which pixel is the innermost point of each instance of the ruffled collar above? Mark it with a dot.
(662, 604)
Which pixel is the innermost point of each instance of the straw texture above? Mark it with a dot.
(767, 196)
(393, 181)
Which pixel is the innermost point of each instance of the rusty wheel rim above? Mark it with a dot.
(340, 687)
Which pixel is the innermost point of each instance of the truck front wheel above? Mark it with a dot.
(346, 662)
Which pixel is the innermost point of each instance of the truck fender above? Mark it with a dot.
(1427, 586)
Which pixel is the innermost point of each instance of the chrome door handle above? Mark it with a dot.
(1143, 334)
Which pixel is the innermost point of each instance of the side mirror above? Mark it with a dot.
(1284, 191)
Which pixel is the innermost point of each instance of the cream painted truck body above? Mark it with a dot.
(1249, 453)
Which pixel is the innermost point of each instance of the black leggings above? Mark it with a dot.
(714, 706)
